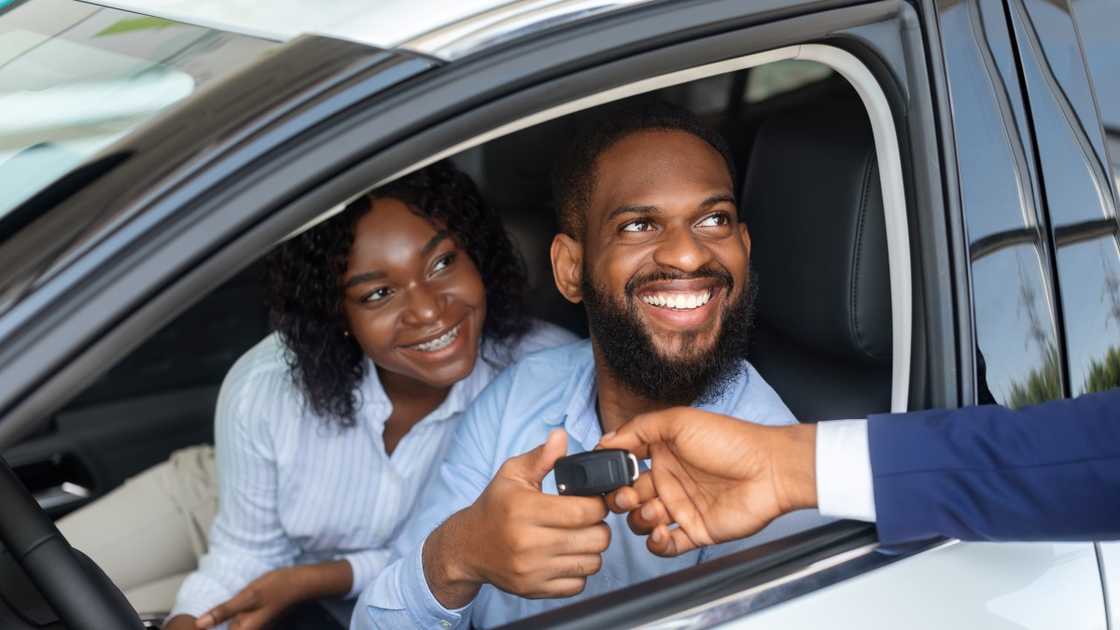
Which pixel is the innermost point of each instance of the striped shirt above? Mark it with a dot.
(294, 489)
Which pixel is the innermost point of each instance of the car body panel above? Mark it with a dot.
(964, 585)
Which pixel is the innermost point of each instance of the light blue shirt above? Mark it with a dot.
(514, 414)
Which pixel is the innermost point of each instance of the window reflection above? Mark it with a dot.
(1012, 292)
(75, 77)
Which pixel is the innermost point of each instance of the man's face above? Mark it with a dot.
(664, 270)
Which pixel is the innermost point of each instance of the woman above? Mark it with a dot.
(390, 319)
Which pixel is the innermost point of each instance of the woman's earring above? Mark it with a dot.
(346, 333)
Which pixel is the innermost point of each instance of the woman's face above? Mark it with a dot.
(414, 300)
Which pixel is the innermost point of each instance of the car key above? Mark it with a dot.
(595, 473)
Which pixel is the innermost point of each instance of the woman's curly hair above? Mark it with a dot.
(304, 285)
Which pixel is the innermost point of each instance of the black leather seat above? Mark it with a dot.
(812, 202)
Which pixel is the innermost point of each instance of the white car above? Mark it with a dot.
(944, 173)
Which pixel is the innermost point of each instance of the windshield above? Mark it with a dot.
(74, 77)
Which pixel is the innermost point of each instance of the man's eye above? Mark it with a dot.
(714, 220)
(638, 226)
(444, 262)
(377, 295)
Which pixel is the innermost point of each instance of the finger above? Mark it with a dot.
(651, 514)
(244, 622)
(576, 566)
(562, 587)
(244, 601)
(532, 467)
(631, 497)
(643, 430)
(669, 543)
(679, 504)
(588, 540)
(568, 512)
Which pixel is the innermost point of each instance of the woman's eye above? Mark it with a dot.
(714, 220)
(640, 225)
(444, 262)
(377, 295)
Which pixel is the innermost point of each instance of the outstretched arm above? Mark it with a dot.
(978, 473)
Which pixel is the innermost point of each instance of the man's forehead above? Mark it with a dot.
(658, 168)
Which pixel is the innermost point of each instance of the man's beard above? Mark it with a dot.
(630, 353)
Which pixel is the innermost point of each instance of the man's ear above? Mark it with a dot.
(745, 237)
(567, 267)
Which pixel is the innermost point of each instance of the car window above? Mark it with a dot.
(74, 77)
(1096, 22)
(772, 79)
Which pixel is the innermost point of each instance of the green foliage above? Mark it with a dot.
(134, 24)
(1104, 374)
(1042, 383)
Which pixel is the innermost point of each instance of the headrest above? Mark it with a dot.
(812, 201)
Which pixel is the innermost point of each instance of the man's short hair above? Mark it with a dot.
(573, 176)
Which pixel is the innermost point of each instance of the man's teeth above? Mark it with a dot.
(678, 300)
(439, 343)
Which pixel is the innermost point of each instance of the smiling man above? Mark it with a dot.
(652, 245)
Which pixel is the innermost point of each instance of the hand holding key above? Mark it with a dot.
(717, 478)
(518, 538)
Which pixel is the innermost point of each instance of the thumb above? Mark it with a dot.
(643, 431)
(533, 466)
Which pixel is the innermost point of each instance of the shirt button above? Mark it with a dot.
(443, 623)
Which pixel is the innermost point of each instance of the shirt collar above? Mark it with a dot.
(377, 407)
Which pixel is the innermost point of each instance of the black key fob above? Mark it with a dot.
(595, 473)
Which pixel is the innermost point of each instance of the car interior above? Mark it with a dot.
(808, 189)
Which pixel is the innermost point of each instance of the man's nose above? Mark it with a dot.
(680, 249)
(424, 305)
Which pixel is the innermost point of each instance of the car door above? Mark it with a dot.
(1020, 162)
(1074, 91)
(1016, 357)
(1035, 199)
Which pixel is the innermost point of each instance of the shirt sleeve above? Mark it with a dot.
(246, 539)
(364, 566)
(844, 485)
(399, 597)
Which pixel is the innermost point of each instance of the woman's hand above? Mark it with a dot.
(265, 598)
(180, 622)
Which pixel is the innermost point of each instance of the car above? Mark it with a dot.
(931, 189)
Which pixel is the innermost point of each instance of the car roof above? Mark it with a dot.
(442, 28)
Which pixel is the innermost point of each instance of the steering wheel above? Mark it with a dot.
(79, 592)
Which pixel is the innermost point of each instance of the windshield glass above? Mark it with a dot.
(74, 77)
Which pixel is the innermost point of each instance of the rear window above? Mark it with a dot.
(75, 77)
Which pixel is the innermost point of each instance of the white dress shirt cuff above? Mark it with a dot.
(844, 484)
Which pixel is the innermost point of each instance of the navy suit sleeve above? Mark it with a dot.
(1047, 472)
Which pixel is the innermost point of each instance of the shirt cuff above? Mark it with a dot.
(364, 567)
(844, 485)
(420, 601)
(400, 598)
(197, 595)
